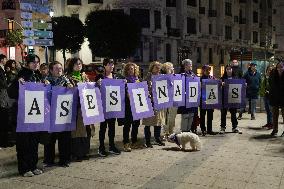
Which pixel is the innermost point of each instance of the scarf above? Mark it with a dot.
(131, 79)
(77, 76)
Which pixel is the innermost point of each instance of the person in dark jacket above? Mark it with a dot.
(276, 94)
(27, 143)
(187, 114)
(4, 103)
(253, 80)
(206, 69)
(57, 78)
(236, 69)
(110, 123)
(228, 74)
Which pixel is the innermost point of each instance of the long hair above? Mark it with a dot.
(165, 67)
(152, 65)
(127, 66)
(71, 64)
(225, 75)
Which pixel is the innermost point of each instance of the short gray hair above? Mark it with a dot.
(186, 61)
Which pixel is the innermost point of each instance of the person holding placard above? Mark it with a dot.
(27, 142)
(110, 123)
(170, 113)
(131, 74)
(206, 69)
(228, 74)
(64, 138)
(82, 135)
(158, 120)
(188, 115)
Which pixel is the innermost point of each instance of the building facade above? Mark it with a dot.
(278, 17)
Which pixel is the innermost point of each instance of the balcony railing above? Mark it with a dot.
(3, 33)
(8, 4)
(243, 21)
(173, 32)
(95, 1)
(73, 2)
(201, 10)
(212, 13)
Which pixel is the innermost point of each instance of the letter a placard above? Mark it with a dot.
(234, 93)
(113, 98)
(141, 106)
(33, 107)
(162, 90)
(63, 109)
(211, 94)
(91, 103)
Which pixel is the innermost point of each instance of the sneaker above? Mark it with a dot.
(64, 164)
(102, 153)
(126, 147)
(240, 118)
(222, 131)
(270, 126)
(28, 174)
(282, 135)
(252, 117)
(37, 172)
(148, 145)
(236, 130)
(134, 145)
(160, 143)
(114, 150)
(274, 133)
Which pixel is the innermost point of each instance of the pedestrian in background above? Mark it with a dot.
(276, 94)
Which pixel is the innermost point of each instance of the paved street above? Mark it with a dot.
(249, 160)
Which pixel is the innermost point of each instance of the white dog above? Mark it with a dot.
(181, 139)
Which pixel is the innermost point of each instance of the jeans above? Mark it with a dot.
(268, 110)
(147, 132)
(186, 122)
(234, 120)
(111, 132)
(253, 107)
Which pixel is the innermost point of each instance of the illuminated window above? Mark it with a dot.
(212, 69)
(222, 70)
(10, 24)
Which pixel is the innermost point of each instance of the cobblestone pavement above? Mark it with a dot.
(249, 160)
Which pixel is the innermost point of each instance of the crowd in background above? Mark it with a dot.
(75, 145)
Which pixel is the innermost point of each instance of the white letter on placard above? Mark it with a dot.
(178, 90)
(34, 106)
(113, 99)
(211, 94)
(140, 100)
(193, 91)
(90, 102)
(162, 91)
(64, 109)
(234, 93)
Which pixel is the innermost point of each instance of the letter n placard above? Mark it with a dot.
(33, 107)
(91, 103)
(211, 92)
(162, 90)
(141, 106)
(63, 109)
(234, 93)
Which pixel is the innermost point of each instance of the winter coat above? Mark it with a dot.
(4, 99)
(253, 81)
(264, 87)
(276, 89)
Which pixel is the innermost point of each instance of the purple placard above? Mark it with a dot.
(178, 90)
(193, 92)
(141, 106)
(63, 109)
(238, 97)
(162, 91)
(33, 107)
(211, 94)
(91, 103)
(113, 98)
